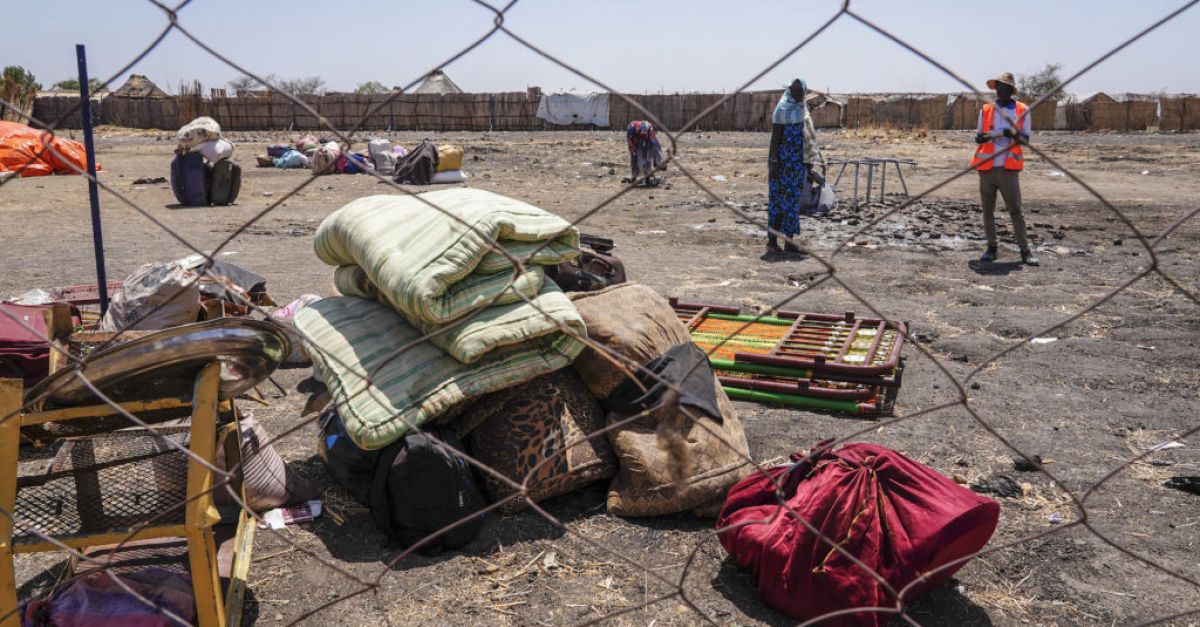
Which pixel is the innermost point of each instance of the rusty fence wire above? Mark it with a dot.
(675, 149)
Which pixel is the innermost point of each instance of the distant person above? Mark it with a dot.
(793, 153)
(1001, 123)
(645, 154)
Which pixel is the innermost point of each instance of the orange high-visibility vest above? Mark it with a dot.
(1014, 159)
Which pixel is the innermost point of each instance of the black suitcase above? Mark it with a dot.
(190, 179)
(226, 182)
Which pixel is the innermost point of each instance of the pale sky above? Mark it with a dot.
(636, 47)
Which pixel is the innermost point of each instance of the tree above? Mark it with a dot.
(16, 80)
(18, 87)
(247, 83)
(371, 87)
(72, 84)
(1041, 83)
(309, 86)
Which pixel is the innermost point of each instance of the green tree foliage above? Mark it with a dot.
(371, 87)
(72, 84)
(18, 87)
(1040, 83)
(18, 82)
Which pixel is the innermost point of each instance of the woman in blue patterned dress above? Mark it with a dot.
(793, 153)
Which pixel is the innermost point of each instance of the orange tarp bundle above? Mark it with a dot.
(23, 147)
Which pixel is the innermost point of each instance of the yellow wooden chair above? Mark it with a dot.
(160, 495)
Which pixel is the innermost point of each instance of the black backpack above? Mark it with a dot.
(226, 182)
(422, 486)
(418, 166)
(413, 487)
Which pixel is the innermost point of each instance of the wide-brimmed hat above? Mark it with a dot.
(1006, 78)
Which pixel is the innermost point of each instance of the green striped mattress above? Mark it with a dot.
(433, 265)
(351, 339)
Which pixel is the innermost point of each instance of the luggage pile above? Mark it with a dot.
(821, 361)
(426, 164)
(202, 172)
(412, 386)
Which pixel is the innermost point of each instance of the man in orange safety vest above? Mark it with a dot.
(1004, 126)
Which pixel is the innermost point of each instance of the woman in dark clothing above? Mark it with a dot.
(645, 154)
(793, 153)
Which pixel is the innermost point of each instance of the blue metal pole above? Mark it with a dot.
(93, 192)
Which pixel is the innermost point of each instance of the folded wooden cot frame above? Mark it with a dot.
(840, 363)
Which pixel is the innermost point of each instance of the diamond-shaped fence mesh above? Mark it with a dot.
(594, 552)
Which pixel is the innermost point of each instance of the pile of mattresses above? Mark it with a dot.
(841, 363)
(406, 271)
(438, 332)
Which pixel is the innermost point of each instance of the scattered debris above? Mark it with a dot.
(1169, 444)
(281, 516)
(1187, 484)
(1043, 340)
(1055, 518)
(150, 181)
(1021, 464)
(1000, 485)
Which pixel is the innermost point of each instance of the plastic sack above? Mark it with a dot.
(291, 159)
(283, 317)
(154, 291)
(817, 199)
(197, 131)
(214, 150)
(450, 157)
(899, 518)
(325, 158)
(22, 149)
(449, 176)
(381, 155)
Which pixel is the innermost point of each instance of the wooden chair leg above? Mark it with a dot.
(201, 515)
(10, 449)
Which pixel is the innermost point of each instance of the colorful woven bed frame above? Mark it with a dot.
(838, 363)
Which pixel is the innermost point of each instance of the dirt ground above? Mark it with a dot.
(1117, 380)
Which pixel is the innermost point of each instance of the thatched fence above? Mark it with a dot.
(515, 111)
(1179, 113)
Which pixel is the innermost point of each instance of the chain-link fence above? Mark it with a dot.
(672, 582)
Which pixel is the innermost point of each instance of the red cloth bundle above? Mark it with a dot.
(898, 517)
